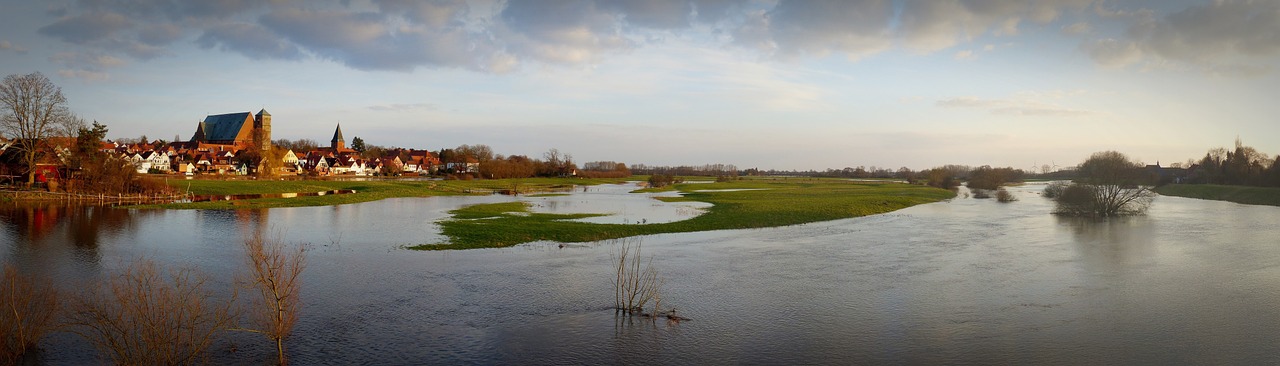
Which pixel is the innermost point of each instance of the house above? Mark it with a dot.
(158, 160)
(140, 164)
(291, 163)
(185, 168)
(469, 165)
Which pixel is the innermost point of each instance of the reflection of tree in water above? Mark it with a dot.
(1111, 243)
(82, 227)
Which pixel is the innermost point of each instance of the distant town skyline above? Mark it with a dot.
(786, 85)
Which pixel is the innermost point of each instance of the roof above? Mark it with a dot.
(337, 134)
(263, 112)
(223, 127)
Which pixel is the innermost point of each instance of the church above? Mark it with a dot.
(239, 130)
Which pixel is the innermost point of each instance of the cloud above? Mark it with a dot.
(929, 26)
(367, 41)
(1077, 28)
(251, 40)
(1013, 107)
(436, 14)
(1236, 35)
(84, 74)
(87, 66)
(796, 28)
(87, 27)
(561, 31)
(5, 45)
(1113, 53)
(965, 55)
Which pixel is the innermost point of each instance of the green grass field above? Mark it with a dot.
(777, 202)
(370, 190)
(1239, 194)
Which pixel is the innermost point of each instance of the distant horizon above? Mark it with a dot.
(785, 85)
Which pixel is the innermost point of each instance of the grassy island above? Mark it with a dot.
(766, 203)
(1239, 194)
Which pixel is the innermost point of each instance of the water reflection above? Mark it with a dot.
(31, 228)
(1112, 243)
(962, 282)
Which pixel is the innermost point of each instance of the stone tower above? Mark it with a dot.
(262, 126)
(338, 143)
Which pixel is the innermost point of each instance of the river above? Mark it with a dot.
(966, 281)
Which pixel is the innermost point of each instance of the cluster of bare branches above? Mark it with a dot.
(144, 316)
(275, 279)
(637, 281)
(1110, 184)
(29, 312)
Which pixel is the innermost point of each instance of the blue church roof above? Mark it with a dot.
(225, 127)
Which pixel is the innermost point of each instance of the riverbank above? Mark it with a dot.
(752, 203)
(1269, 196)
(365, 190)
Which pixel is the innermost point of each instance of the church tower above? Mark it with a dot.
(338, 143)
(262, 126)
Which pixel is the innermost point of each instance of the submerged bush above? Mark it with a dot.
(1110, 185)
(143, 317)
(29, 313)
(1003, 195)
(1054, 189)
(1103, 200)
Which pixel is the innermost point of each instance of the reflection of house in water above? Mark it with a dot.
(52, 224)
(253, 221)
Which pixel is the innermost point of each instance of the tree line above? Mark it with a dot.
(1243, 165)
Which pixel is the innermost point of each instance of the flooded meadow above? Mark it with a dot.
(964, 281)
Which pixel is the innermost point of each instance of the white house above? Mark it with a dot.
(158, 161)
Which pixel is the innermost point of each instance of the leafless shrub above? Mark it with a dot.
(1004, 196)
(981, 193)
(1103, 200)
(637, 281)
(1055, 188)
(29, 312)
(142, 317)
(276, 282)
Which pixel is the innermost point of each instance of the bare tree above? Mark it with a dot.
(276, 279)
(142, 317)
(28, 313)
(1110, 185)
(637, 281)
(34, 109)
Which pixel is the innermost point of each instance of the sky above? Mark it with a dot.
(787, 85)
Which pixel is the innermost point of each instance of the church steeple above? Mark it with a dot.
(338, 143)
(262, 123)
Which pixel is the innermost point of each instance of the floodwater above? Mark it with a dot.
(967, 281)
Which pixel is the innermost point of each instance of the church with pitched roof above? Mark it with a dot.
(240, 130)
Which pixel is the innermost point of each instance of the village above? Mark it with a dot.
(240, 144)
